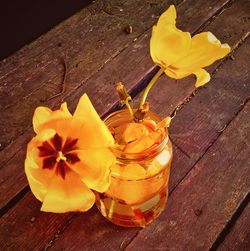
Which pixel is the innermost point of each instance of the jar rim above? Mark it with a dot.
(148, 153)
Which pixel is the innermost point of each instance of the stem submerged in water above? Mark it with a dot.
(149, 86)
(111, 209)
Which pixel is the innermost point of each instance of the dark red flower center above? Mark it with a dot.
(58, 155)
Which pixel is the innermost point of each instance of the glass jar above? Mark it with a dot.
(139, 181)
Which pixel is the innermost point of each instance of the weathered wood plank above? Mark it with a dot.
(203, 203)
(37, 90)
(101, 93)
(222, 99)
(180, 170)
(112, 237)
(239, 236)
(23, 71)
(217, 103)
(86, 41)
(15, 212)
(25, 220)
(12, 231)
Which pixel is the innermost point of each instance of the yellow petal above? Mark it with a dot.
(166, 20)
(160, 162)
(69, 194)
(168, 44)
(93, 125)
(150, 124)
(44, 135)
(205, 49)
(94, 168)
(129, 171)
(202, 77)
(153, 50)
(133, 191)
(172, 45)
(38, 178)
(86, 135)
(168, 17)
(176, 73)
(143, 143)
(180, 55)
(43, 115)
(134, 131)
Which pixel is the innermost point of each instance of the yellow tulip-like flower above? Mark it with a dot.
(179, 54)
(68, 157)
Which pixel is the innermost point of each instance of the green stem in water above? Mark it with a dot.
(149, 86)
(111, 209)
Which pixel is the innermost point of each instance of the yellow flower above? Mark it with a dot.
(68, 157)
(179, 54)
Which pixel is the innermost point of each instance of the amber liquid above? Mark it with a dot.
(135, 203)
(139, 183)
(136, 215)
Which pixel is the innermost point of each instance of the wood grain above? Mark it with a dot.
(239, 236)
(204, 201)
(23, 226)
(21, 74)
(62, 233)
(25, 220)
(180, 170)
(31, 219)
(100, 89)
(13, 127)
(214, 106)
(87, 41)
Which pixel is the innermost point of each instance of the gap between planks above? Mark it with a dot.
(61, 228)
(217, 13)
(227, 229)
(40, 59)
(14, 201)
(222, 62)
(68, 93)
(134, 92)
(239, 210)
(241, 107)
(135, 89)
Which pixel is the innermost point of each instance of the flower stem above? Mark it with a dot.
(111, 209)
(149, 86)
(124, 97)
(129, 108)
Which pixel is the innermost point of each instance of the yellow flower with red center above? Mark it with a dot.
(179, 54)
(68, 157)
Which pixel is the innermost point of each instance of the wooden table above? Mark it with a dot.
(208, 207)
